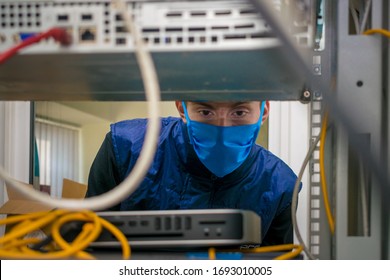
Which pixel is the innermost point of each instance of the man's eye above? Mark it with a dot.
(240, 113)
(205, 113)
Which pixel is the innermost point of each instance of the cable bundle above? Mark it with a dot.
(86, 227)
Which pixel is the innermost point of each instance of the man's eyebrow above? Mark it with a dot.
(205, 104)
(241, 103)
(208, 105)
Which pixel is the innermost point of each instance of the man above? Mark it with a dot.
(207, 158)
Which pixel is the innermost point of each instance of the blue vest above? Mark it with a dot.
(178, 180)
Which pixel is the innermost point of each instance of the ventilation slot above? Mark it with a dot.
(198, 14)
(245, 26)
(187, 223)
(173, 29)
(234, 37)
(150, 30)
(117, 223)
(220, 27)
(196, 29)
(157, 224)
(174, 14)
(261, 35)
(223, 13)
(62, 18)
(177, 223)
(247, 12)
(86, 17)
(167, 223)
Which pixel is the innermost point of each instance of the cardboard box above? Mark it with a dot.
(18, 203)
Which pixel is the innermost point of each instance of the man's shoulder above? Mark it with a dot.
(129, 135)
(272, 162)
(129, 132)
(278, 174)
(140, 124)
(265, 153)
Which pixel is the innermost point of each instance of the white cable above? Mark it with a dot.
(363, 25)
(355, 20)
(129, 185)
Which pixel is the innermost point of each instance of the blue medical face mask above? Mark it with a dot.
(222, 149)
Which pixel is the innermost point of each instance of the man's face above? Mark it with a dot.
(224, 113)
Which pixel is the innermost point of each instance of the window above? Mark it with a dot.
(58, 149)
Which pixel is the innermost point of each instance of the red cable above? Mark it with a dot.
(58, 34)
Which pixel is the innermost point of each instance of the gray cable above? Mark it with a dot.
(294, 202)
(363, 197)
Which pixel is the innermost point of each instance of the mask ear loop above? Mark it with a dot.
(260, 119)
(259, 122)
(185, 112)
(261, 112)
(188, 121)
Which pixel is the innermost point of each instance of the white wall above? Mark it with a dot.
(92, 136)
(14, 143)
(289, 127)
(140, 110)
